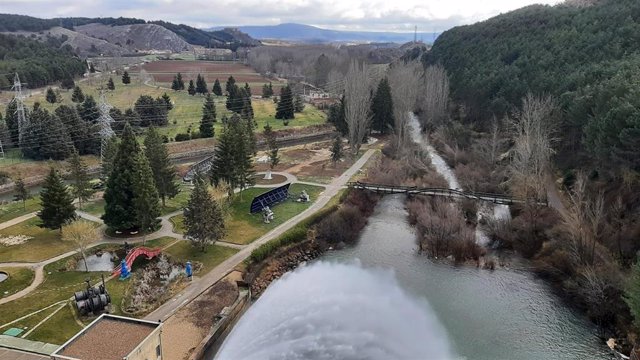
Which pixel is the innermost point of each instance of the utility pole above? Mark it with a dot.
(104, 121)
(415, 34)
(19, 99)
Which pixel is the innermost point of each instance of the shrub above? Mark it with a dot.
(182, 137)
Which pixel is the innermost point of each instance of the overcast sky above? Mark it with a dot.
(387, 15)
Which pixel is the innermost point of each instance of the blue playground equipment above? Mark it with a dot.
(189, 270)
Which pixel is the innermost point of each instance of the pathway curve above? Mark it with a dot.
(200, 285)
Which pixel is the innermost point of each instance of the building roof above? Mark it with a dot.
(107, 338)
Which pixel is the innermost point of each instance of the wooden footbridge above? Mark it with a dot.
(444, 192)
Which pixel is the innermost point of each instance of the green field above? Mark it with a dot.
(96, 208)
(243, 227)
(215, 254)
(187, 109)
(17, 209)
(45, 243)
(19, 278)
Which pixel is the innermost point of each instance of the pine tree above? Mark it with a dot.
(250, 135)
(265, 91)
(180, 81)
(217, 89)
(21, 192)
(244, 148)
(51, 96)
(67, 84)
(77, 96)
(230, 83)
(126, 79)
(208, 117)
(56, 202)
(382, 108)
(81, 189)
(111, 85)
(284, 110)
(164, 173)
(247, 108)
(45, 137)
(92, 69)
(203, 217)
(121, 187)
(77, 128)
(192, 88)
(222, 168)
(11, 119)
(337, 117)
(167, 100)
(109, 155)
(201, 85)
(235, 99)
(298, 104)
(145, 202)
(175, 86)
(247, 90)
(88, 110)
(336, 150)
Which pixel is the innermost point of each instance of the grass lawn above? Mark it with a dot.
(19, 278)
(214, 255)
(59, 328)
(96, 208)
(17, 209)
(45, 243)
(243, 227)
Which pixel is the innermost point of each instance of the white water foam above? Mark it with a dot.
(329, 311)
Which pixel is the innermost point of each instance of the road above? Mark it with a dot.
(200, 285)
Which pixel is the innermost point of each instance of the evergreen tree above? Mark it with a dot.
(76, 127)
(284, 110)
(222, 168)
(203, 217)
(298, 104)
(56, 202)
(67, 84)
(180, 81)
(233, 157)
(11, 119)
(192, 88)
(632, 293)
(22, 193)
(201, 85)
(92, 69)
(382, 108)
(78, 170)
(146, 203)
(152, 111)
(244, 148)
(217, 89)
(249, 134)
(247, 108)
(126, 79)
(247, 90)
(235, 99)
(174, 84)
(208, 117)
(230, 83)
(337, 117)
(77, 96)
(336, 150)
(111, 85)
(51, 96)
(164, 173)
(109, 155)
(167, 100)
(45, 136)
(88, 110)
(265, 91)
(120, 193)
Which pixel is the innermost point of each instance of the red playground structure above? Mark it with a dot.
(133, 255)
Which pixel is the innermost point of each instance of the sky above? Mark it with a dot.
(365, 15)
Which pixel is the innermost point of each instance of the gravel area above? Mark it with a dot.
(108, 339)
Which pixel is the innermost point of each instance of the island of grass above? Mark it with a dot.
(243, 227)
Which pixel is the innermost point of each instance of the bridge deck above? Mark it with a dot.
(451, 193)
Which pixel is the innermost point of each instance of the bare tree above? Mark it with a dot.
(583, 221)
(435, 96)
(82, 233)
(406, 85)
(357, 105)
(533, 135)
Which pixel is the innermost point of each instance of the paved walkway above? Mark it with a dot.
(200, 285)
(17, 220)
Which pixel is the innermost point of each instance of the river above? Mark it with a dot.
(322, 309)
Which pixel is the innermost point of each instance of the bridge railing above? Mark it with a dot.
(495, 198)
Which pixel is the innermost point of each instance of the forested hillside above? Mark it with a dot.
(37, 63)
(586, 57)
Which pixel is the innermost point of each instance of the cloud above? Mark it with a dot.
(398, 15)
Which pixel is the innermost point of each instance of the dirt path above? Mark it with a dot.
(553, 195)
(200, 285)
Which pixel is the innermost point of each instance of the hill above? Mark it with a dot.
(121, 36)
(312, 34)
(585, 54)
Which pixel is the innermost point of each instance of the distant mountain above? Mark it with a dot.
(307, 33)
